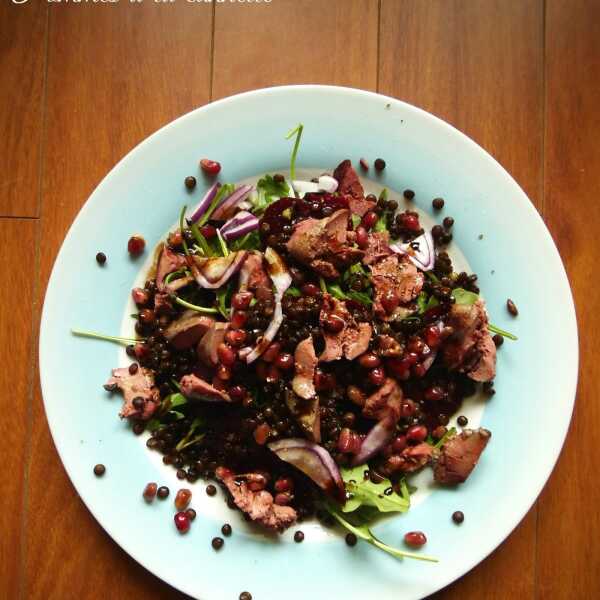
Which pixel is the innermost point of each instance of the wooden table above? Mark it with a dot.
(82, 84)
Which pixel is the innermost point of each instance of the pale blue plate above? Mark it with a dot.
(515, 258)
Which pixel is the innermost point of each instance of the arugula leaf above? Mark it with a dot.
(450, 433)
(153, 424)
(422, 300)
(502, 332)
(363, 492)
(190, 437)
(355, 221)
(202, 241)
(178, 415)
(172, 401)
(361, 297)
(462, 296)
(181, 228)
(293, 291)
(380, 225)
(363, 532)
(323, 285)
(224, 295)
(336, 291)
(108, 338)
(250, 241)
(297, 131)
(384, 194)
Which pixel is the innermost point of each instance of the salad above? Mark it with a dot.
(306, 345)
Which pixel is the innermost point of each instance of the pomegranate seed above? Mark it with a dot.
(223, 373)
(432, 336)
(368, 360)
(140, 296)
(182, 498)
(355, 395)
(150, 492)
(261, 434)
(136, 245)
(238, 320)
(237, 392)
(377, 376)
(399, 443)
(411, 222)
(369, 219)
(415, 344)
(147, 316)
(364, 164)
(210, 167)
(348, 442)
(283, 499)
(390, 301)
(415, 538)
(309, 289)
(434, 393)
(416, 433)
(362, 237)
(333, 323)
(182, 522)
(271, 353)
(208, 231)
(419, 370)
(175, 239)
(226, 354)
(408, 408)
(273, 374)
(399, 368)
(236, 337)
(324, 381)
(284, 484)
(241, 300)
(141, 351)
(257, 482)
(284, 361)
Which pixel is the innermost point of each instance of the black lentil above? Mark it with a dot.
(138, 427)
(226, 530)
(99, 470)
(408, 194)
(379, 164)
(245, 596)
(437, 203)
(299, 537)
(163, 492)
(100, 258)
(448, 222)
(217, 543)
(191, 514)
(351, 539)
(512, 308)
(211, 490)
(462, 421)
(498, 340)
(458, 517)
(190, 182)
(133, 369)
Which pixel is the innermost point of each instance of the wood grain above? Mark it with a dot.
(115, 74)
(17, 264)
(569, 522)
(22, 70)
(478, 65)
(295, 41)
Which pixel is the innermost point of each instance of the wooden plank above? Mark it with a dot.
(569, 522)
(115, 74)
(17, 261)
(477, 65)
(22, 70)
(295, 41)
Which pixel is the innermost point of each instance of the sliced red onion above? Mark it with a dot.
(203, 205)
(314, 461)
(376, 439)
(328, 184)
(240, 224)
(212, 273)
(282, 280)
(226, 207)
(424, 257)
(207, 348)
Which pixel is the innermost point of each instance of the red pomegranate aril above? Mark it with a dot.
(273, 374)
(377, 376)
(364, 165)
(416, 433)
(348, 442)
(368, 360)
(333, 323)
(140, 296)
(136, 245)
(284, 361)
(362, 237)
(415, 539)
(223, 372)
(237, 392)
(411, 358)
(241, 300)
(309, 289)
(399, 443)
(411, 222)
(208, 231)
(238, 320)
(390, 301)
(399, 368)
(283, 499)
(182, 522)
(261, 434)
(147, 316)
(369, 219)
(272, 352)
(434, 393)
(141, 351)
(284, 484)
(182, 498)
(415, 345)
(150, 492)
(408, 408)
(226, 354)
(324, 381)
(432, 336)
(419, 370)
(210, 167)
(235, 337)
